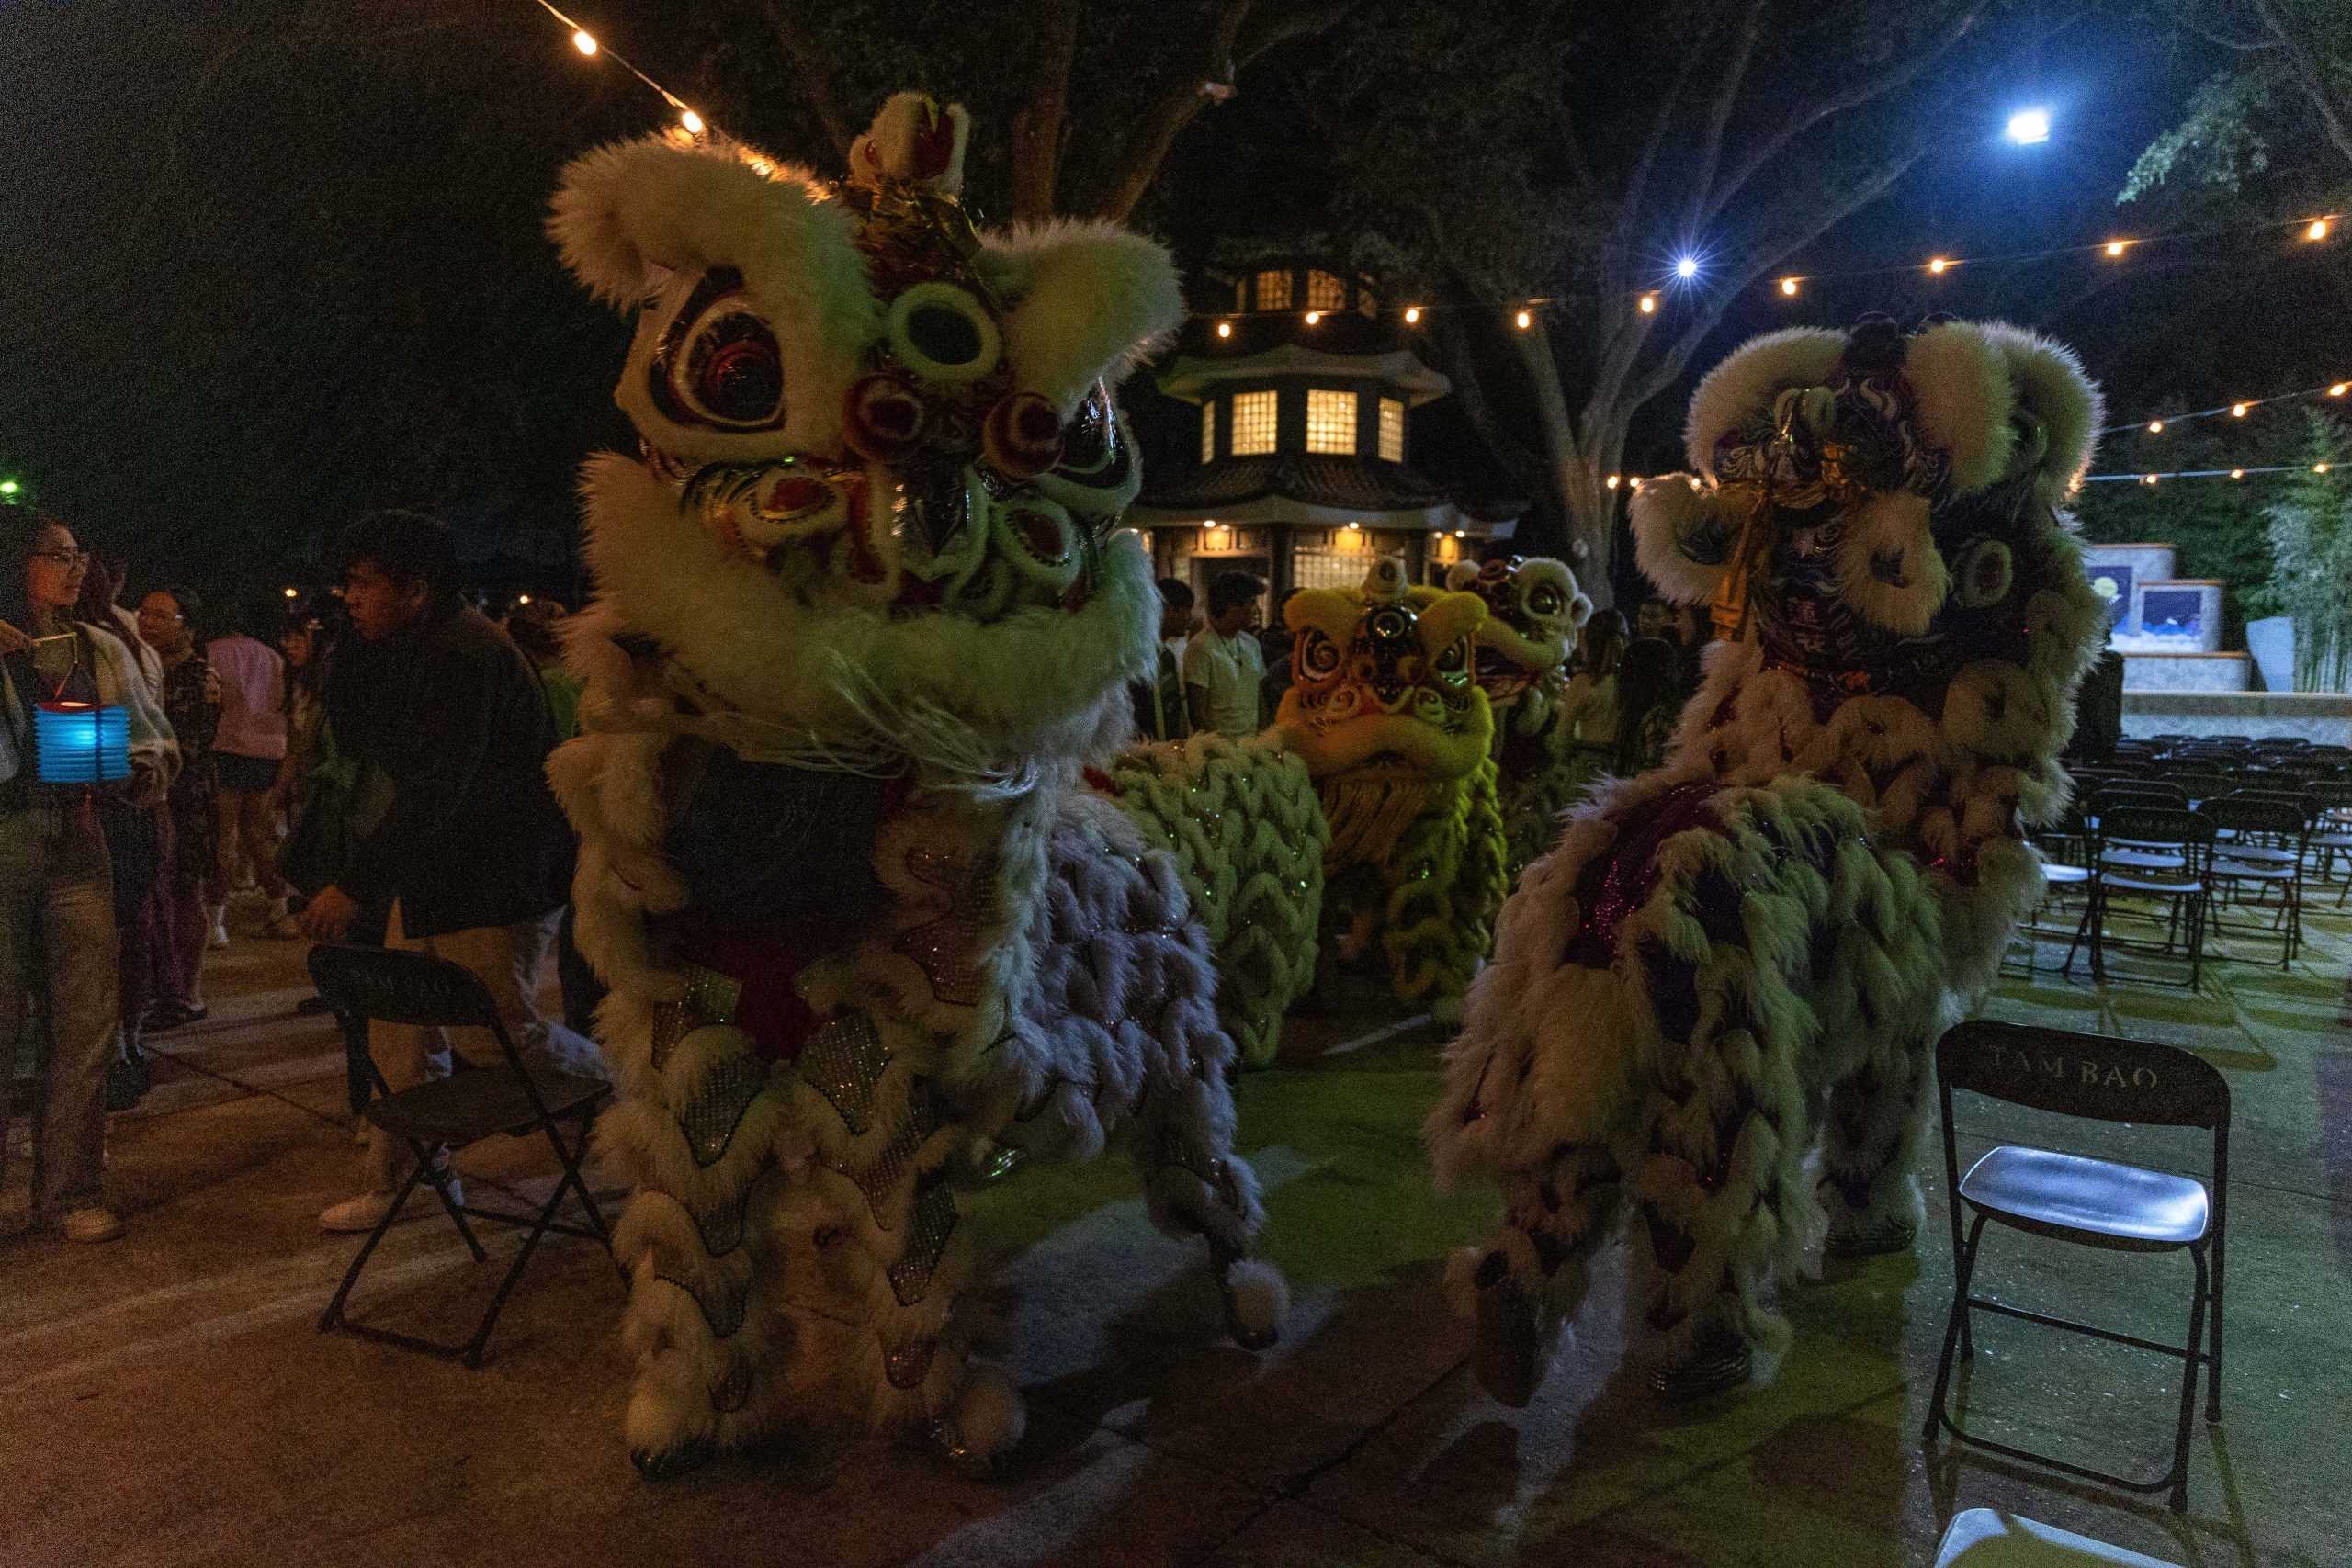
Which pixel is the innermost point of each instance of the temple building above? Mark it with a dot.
(1305, 395)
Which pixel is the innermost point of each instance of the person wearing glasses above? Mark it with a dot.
(57, 931)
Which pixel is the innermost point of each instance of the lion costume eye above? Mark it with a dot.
(1453, 663)
(1319, 655)
(1545, 600)
(719, 365)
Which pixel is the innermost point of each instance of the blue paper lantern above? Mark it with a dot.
(82, 743)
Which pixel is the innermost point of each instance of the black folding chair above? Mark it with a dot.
(471, 1104)
(2259, 841)
(2153, 853)
(2091, 1202)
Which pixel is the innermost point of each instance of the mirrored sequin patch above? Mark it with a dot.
(843, 1061)
(721, 1229)
(732, 1392)
(934, 1223)
(710, 995)
(725, 1093)
(906, 1365)
(722, 1308)
(669, 1028)
(889, 1166)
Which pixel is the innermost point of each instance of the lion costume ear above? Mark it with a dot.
(2058, 408)
(1089, 301)
(1450, 618)
(627, 215)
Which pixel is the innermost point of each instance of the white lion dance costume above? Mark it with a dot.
(859, 628)
(1755, 946)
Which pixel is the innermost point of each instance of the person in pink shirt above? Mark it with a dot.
(246, 753)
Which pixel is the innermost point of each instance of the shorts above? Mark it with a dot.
(250, 774)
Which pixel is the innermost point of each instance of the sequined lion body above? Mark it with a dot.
(1386, 713)
(860, 625)
(1749, 953)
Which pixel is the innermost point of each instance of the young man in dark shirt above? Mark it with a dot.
(472, 853)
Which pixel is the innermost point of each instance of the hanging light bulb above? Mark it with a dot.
(1634, 483)
(583, 41)
(1225, 329)
(2237, 473)
(1937, 264)
(1788, 285)
(691, 121)
(1412, 315)
(2155, 427)
(1687, 268)
(2115, 247)
(2147, 478)
(1525, 318)
(2338, 389)
(1649, 304)
(2320, 467)
(2237, 410)
(2318, 229)
(1613, 481)
(1313, 317)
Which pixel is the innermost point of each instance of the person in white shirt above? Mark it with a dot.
(1223, 667)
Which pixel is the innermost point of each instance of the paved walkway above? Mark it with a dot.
(166, 1399)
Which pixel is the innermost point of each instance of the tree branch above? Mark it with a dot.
(1868, 89)
(1238, 32)
(2309, 75)
(1719, 111)
(1037, 125)
(811, 68)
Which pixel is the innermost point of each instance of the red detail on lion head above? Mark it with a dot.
(883, 419)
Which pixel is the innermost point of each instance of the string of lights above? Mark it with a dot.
(1686, 270)
(2151, 479)
(2236, 411)
(593, 48)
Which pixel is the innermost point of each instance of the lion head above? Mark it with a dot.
(1533, 613)
(1383, 685)
(878, 458)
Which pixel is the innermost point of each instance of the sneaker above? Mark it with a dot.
(221, 929)
(366, 1212)
(92, 1224)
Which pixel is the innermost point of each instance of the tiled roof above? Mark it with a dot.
(1361, 484)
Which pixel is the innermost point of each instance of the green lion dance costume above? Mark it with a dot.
(1387, 712)
(860, 626)
(1752, 949)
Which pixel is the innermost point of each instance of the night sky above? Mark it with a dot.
(263, 273)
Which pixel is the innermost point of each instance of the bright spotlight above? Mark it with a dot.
(2030, 126)
(1687, 266)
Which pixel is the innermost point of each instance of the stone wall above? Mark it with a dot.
(2324, 719)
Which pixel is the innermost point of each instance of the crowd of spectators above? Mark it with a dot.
(369, 769)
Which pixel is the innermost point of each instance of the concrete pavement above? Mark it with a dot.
(165, 1399)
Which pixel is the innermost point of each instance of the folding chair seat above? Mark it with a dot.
(2090, 1202)
(512, 1099)
(2124, 853)
(1979, 1537)
(2332, 833)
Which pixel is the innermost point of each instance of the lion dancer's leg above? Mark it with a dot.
(1443, 885)
(1870, 1147)
(1526, 1285)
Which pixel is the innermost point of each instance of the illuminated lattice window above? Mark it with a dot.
(1273, 291)
(1326, 568)
(1366, 300)
(1324, 292)
(1208, 433)
(1253, 423)
(1330, 421)
(1392, 430)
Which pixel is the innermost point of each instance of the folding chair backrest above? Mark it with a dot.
(2199, 785)
(2247, 812)
(2333, 794)
(402, 987)
(2093, 1075)
(2137, 791)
